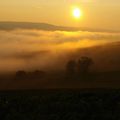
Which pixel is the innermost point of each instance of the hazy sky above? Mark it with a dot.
(96, 13)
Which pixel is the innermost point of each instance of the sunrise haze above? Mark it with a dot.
(96, 13)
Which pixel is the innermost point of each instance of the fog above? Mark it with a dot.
(25, 49)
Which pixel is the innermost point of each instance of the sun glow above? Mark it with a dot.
(77, 12)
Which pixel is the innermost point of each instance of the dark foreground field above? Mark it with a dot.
(110, 80)
(60, 104)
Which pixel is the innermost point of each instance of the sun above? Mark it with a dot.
(77, 13)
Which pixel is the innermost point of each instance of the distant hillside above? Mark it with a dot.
(44, 26)
(106, 57)
(29, 25)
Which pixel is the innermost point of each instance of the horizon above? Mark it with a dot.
(71, 28)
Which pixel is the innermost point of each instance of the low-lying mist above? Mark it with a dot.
(50, 50)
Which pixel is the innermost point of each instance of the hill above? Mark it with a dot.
(45, 26)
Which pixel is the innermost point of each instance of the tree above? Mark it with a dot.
(20, 75)
(38, 74)
(84, 64)
(71, 69)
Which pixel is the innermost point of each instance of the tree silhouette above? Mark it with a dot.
(84, 64)
(71, 69)
(38, 74)
(21, 75)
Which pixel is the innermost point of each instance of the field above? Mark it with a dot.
(62, 104)
(60, 81)
(55, 97)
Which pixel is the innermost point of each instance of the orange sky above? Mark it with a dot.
(96, 13)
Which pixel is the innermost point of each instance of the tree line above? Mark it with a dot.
(79, 69)
(74, 70)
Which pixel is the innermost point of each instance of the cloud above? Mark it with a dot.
(41, 49)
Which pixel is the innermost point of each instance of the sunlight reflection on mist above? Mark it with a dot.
(29, 49)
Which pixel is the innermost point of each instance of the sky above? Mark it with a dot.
(30, 49)
(95, 13)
